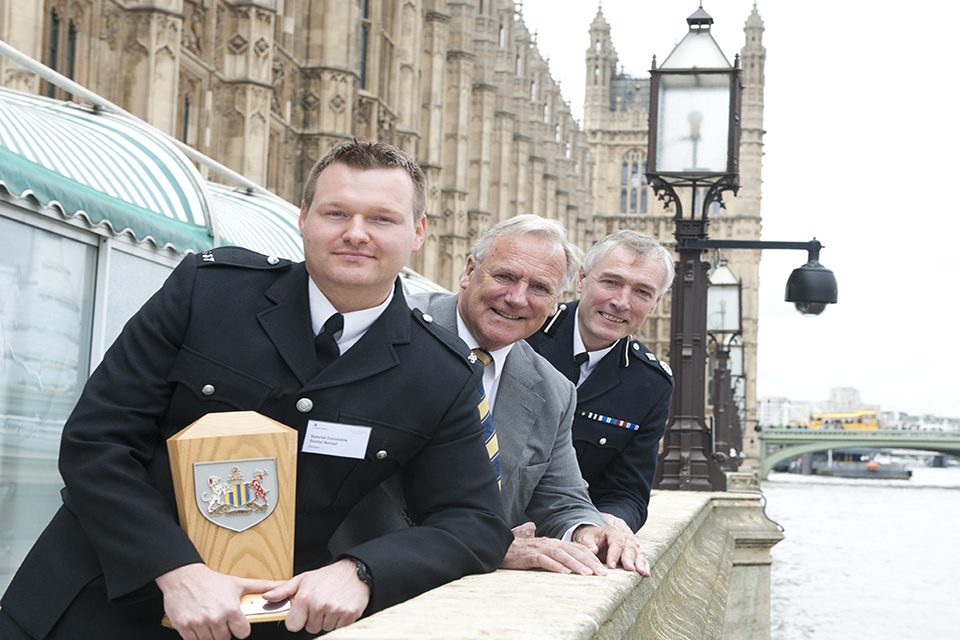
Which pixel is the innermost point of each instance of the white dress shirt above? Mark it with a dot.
(355, 323)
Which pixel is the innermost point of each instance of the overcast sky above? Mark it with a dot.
(860, 151)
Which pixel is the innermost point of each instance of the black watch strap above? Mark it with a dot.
(363, 572)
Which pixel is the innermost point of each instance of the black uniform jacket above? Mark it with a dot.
(231, 320)
(629, 385)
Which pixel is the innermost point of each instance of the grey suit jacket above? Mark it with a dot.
(533, 416)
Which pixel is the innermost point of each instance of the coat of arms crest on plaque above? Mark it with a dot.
(236, 494)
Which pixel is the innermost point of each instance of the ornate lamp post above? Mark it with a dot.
(723, 326)
(694, 144)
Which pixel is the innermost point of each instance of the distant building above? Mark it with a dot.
(774, 412)
(845, 399)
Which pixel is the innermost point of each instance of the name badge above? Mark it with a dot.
(335, 439)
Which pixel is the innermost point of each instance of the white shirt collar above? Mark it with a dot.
(355, 323)
(491, 373)
(594, 356)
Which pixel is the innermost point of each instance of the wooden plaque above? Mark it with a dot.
(234, 474)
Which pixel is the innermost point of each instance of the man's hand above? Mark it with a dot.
(202, 604)
(324, 599)
(551, 554)
(617, 546)
(617, 522)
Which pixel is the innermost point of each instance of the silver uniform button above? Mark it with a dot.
(272, 259)
(208, 390)
(381, 454)
(603, 441)
(427, 317)
(304, 405)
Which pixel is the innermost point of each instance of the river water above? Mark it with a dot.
(871, 559)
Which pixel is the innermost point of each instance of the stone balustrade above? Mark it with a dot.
(710, 561)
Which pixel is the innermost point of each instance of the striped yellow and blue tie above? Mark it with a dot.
(486, 419)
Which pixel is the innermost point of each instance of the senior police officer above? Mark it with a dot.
(234, 330)
(623, 390)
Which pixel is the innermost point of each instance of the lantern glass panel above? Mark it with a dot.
(736, 360)
(693, 123)
(723, 302)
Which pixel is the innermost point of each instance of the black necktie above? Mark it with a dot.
(578, 360)
(325, 345)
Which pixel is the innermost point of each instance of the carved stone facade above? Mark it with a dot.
(267, 87)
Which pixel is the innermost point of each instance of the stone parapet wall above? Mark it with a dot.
(710, 557)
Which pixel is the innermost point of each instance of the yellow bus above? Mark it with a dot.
(862, 420)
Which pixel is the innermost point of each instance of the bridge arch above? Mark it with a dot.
(778, 445)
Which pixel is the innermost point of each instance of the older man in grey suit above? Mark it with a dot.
(511, 283)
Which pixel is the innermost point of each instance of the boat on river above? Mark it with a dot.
(852, 463)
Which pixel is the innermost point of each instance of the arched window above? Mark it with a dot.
(365, 26)
(61, 50)
(186, 119)
(53, 49)
(500, 37)
(633, 181)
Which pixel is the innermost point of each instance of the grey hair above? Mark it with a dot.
(549, 230)
(643, 246)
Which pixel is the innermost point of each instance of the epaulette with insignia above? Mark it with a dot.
(240, 257)
(446, 337)
(551, 326)
(645, 355)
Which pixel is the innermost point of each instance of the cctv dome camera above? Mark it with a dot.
(810, 308)
(811, 288)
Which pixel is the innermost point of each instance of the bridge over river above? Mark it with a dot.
(778, 445)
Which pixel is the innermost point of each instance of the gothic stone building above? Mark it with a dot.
(266, 87)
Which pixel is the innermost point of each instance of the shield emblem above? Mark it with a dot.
(236, 494)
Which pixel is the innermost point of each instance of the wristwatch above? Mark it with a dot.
(363, 572)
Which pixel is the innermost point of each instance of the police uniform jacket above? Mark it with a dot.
(622, 411)
(230, 330)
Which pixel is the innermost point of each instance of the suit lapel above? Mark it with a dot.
(559, 348)
(287, 323)
(376, 350)
(515, 416)
(288, 326)
(604, 377)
